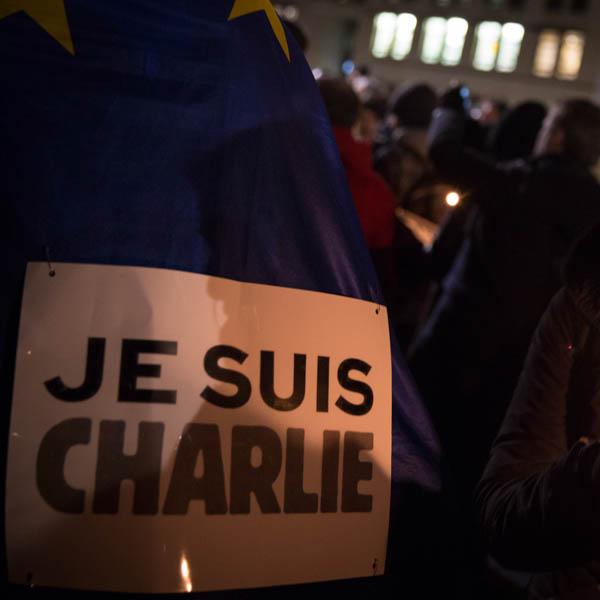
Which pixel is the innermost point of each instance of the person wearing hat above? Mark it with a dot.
(403, 160)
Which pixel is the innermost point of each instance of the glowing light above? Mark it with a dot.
(443, 40)
(498, 46)
(546, 53)
(571, 54)
(510, 47)
(452, 198)
(487, 46)
(291, 13)
(384, 32)
(456, 31)
(434, 33)
(405, 33)
(184, 569)
(347, 67)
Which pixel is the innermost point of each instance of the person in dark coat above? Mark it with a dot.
(513, 139)
(514, 136)
(402, 161)
(540, 493)
(468, 356)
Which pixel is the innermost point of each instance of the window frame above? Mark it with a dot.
(562, 35)
(389, 54)
(443, 47)
(502, 25)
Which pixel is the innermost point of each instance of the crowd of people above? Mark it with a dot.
(496, 303)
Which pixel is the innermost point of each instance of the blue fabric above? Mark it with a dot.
(176, 138)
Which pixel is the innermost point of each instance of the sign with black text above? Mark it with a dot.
(176, 432)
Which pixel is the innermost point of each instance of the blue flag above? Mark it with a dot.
(183, 135)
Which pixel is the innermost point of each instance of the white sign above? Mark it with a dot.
(177, 432)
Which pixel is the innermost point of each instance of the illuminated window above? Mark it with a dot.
(384, 30)
(405, 33)
(546, 53)
(443, 40)
(510, 47)
(559, 55)
(454, 41)
(393, 35)
(487, 44)
(434, 33)
(571, 54)
(498, 46)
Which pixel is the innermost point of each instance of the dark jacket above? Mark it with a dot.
(468, 356)
(540, 501)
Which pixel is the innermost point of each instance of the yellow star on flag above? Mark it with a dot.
(242, 8)
(48, 14)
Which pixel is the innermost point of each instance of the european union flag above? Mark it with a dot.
(184, 135)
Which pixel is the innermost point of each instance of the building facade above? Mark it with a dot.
(512, 50)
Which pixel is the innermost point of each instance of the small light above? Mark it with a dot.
(452, 198)
(347, 67)
(185, 569)
(290, 13)
(317, 73)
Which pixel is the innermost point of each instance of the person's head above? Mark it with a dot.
(341, 102)
(373, 110)
(413, 105)
(369, 122)
(491, 111)
(572, 128)
(516, 133)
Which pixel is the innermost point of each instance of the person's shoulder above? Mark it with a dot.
(582, 273)
(569, 170)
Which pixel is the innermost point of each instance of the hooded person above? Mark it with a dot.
(403, 161)
(513, 139)
(515, 134)
(540, 491)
